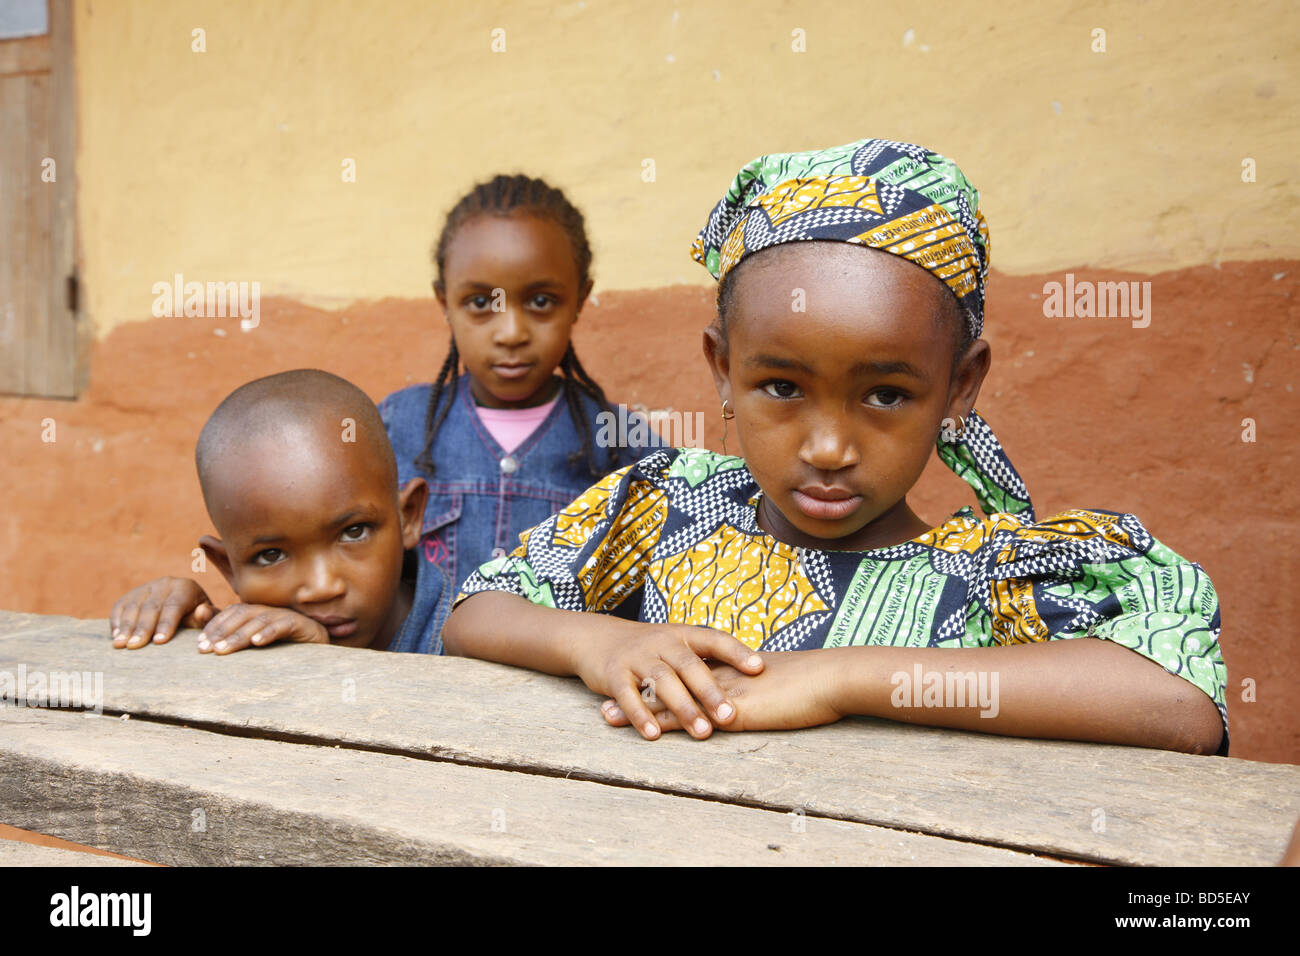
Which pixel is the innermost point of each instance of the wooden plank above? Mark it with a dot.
(16, 835)
(25, 54)
(1074, 800)
(15, 853)
(180, 796)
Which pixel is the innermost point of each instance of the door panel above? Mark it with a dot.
(43, 342)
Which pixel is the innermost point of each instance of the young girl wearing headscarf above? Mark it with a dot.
(846, 346)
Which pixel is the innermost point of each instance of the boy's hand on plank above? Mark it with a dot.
(794, 690)
(256, 625)
(661, 668)
(155, 611)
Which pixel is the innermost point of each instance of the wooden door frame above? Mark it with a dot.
(66, 292)
(64, 297)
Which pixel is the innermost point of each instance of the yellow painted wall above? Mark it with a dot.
(225, 165)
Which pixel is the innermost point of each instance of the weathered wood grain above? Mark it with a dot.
(70, 336)
(44, 349)
(1081, 801)
(25, 55)
(176, 795)
(17, 853)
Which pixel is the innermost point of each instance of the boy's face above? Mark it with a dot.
(511, 296)
(838, 407)
(312, 522)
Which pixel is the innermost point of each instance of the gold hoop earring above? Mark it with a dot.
(946, 432)
(727, 415)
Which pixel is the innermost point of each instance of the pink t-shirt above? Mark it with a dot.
(510, 426)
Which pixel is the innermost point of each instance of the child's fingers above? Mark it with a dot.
(259, 630)
(200, 616)
(122, 620)
(233, 642)
(224, 624)
(668, 721)
(290, 626)
(615, 717)
(146, 621)
(174, 607)
(127, 620)
(613, 714)
(638, 715)
(262, 629)
(664, 682)
(703, 685)
(254, 630)
(710, 643)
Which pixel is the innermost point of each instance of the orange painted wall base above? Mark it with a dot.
(1094, 412)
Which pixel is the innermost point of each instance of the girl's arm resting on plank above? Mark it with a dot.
(1077, 689)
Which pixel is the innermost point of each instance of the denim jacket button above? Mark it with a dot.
(509, 465)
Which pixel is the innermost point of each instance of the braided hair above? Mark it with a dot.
(502, 196)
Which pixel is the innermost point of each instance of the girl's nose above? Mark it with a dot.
(323, 583)
(827, 445)
(511, 328)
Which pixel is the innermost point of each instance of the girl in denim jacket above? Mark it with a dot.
(507, 442)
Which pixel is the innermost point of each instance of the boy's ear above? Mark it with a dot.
(411, 499)
(968, 377)
(217, 554)
(715, 353)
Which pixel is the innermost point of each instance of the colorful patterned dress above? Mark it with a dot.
(677, 532)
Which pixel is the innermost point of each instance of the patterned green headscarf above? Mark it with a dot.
(896, 197)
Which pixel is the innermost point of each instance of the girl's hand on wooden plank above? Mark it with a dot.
(665, 665)
(155, 611)
(256, 625)
(794, 690)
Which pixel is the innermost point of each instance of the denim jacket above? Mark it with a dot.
(481, 499)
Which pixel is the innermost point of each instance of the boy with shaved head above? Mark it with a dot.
(313, 531)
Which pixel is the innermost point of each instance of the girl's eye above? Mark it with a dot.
(782, 389)
(264, 559)
(541, 301)
(356, 532)
(477, 302)
(886, 398)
